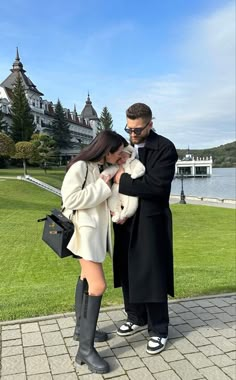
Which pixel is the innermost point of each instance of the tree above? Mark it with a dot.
(24, 151)
(3, 123)
(44, 149)
(106, 121)
(22, 126)
(59, 130)
(7, 145)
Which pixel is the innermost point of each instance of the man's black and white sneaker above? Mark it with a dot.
(129, 328)
(156, 344)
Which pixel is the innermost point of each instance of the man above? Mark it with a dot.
(143, 260)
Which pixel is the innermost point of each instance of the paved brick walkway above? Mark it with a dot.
(201, 346)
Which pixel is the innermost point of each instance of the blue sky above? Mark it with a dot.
(178, 56)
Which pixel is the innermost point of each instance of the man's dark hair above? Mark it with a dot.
(138, 110)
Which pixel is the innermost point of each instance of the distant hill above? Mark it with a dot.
(224, 156)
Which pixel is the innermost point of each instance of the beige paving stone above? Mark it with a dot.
(232, 355)
(174, 321)
(219, 302)
(29, 327)
(60, 364)
(214, 373)
(171, 355)
(47, 322)
(116, 315)
(123, 377)
(52, 338)
(66, 322)
(173, 333)
(188, 315)
(56, 350)
(227, 333)
(223, 344)
(124, 352)
(184, 327)
(136, 337)
(12, 365)
(206, 316)
(42, 376)
(68, 376)
(103, 317)
(11, 327)
(72, 351)
(131, 363)
(225, 317)
(69, 342)
(35, 350)
(36, 364)
(32, 339)
(105, 351)
(178, 308)
(12, 342)
(230, 310)
(117, 341)
(222, 360)
(196, 322)
(49, 328)
(92, 376)
(198, 360)
(69, 332)
(213, 310)
(207, 331)
(197, 310)
(230, 371)
(217, 324)
(204, 303)
(115, 368)
(210, 350)
(140, 348)
(185, 370)
(140, 374)
(167, 375)
(189, 304)
(156, 363)
(196, 338)
(108, 326)
(9, 351)
(20, 376)
(184, 346)
(11, 334)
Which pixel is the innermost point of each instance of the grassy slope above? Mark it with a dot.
(35, 282)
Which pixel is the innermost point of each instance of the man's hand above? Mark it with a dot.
(117, 176)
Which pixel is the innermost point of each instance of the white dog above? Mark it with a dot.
(124, 206)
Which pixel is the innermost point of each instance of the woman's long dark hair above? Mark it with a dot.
(105, 142)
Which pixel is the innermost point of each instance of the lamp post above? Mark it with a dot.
(182, 195)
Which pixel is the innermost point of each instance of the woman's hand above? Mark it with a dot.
(106, 179)
(117, 176)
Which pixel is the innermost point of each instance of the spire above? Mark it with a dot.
(88, 101)
(75, 109)
(17, 65)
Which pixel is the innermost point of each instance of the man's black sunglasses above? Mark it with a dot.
(136, 131)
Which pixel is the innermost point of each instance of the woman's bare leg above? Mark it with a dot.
(93, 273)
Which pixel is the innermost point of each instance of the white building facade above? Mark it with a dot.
(83, 127)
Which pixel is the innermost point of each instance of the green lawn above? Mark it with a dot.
(35, 282)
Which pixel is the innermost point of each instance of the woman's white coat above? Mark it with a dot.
(92, 235)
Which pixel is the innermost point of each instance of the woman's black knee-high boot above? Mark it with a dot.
(88, 321)
(81, 288)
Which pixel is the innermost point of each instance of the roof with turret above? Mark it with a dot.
(17, 69)
(88, 111)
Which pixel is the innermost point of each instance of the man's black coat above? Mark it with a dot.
(150, 255)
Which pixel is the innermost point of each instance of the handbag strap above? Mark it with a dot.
(85, 179)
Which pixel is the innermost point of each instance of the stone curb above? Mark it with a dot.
(109, 308)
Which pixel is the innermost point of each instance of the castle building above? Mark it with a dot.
(83, 126)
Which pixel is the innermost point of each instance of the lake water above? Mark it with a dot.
(220, 185)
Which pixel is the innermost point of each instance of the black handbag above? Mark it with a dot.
(58, 230)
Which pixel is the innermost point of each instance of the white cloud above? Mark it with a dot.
(196, 106)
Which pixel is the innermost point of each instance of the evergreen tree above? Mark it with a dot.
(22, 126)
(3, 123)
(59, 130)
(106, 121)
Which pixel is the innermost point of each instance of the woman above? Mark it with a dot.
(84, 194)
